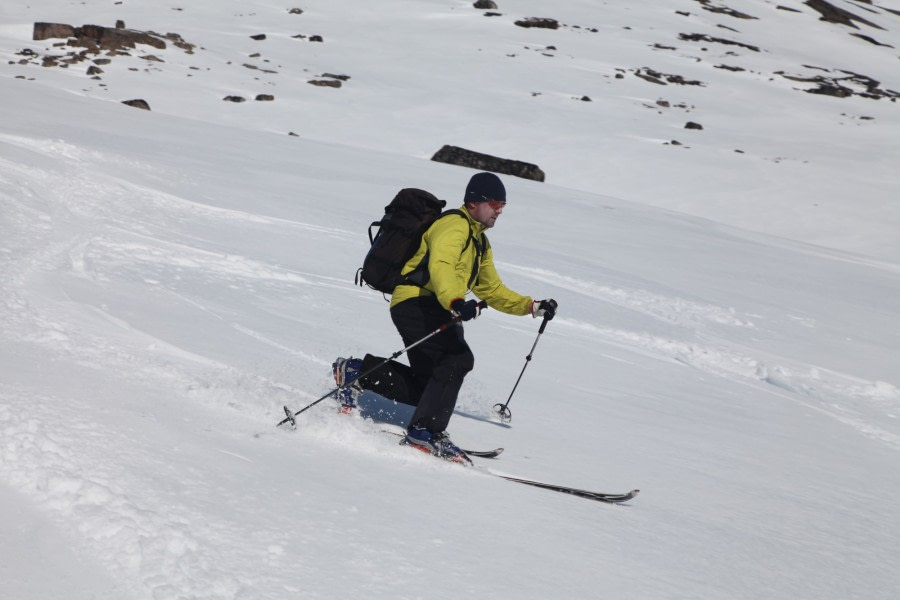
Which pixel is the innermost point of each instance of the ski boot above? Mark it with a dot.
(347, 370)
(436, 444)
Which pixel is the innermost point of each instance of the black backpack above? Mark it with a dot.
(400, 231)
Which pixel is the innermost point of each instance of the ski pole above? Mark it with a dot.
(502, 410)
(291, 416)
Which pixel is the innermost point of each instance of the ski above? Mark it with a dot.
(562, 489)
(485, 453)
(587, 494)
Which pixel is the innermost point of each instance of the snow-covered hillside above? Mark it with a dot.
(770, 157)
(726, 342)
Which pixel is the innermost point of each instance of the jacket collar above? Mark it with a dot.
(476, 227)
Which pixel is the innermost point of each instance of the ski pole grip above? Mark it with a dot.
(549, 314)
(543, 325)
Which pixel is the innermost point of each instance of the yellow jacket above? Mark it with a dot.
(451, 265)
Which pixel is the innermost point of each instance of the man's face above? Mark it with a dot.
(486, 213)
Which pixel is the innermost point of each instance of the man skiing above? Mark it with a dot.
(453, 258)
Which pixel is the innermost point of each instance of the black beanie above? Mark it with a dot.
(484, 187)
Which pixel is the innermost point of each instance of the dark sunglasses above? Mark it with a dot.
(496, 204)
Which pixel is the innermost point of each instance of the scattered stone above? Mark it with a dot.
(333, 76)
(335, 83)
(724, 10)
(96, 38)
(538, 22)
(871, 40)
(649, 77)
(702, 37)
(265, 98)
(255, 68)
(455, 155)
(236, 99)
(179, 42)
(109, 38)
(838, 86)
(258, 37)
(833, 14)
(652, 76)
(316, 38)
(295, 11)
(485, 4)
(46, 31)
(693, 125)
(586, 99)
(138, 103)
(730, 68)
(94, 70)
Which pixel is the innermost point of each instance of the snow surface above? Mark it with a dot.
(727, 338)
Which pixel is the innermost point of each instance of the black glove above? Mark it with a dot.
(465, 310)
(544, 308)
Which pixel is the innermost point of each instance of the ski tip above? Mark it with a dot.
(485, 453)
(626, 497)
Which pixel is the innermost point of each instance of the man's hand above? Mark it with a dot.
(543, 308)
(465, 310)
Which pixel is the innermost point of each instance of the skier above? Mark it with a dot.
(457, 258)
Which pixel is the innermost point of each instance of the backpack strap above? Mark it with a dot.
(358, 278)
(481, 248)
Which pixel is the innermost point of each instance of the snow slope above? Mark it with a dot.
(170, 279)
(422, 74)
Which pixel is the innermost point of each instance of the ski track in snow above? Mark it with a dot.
(133, 237)
(669, 309)
(848, 399)
(104, 256)
(87, 489)
(852, 401)
(129, 247)
(165, 547)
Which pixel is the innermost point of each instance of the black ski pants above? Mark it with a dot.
(436, 368)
